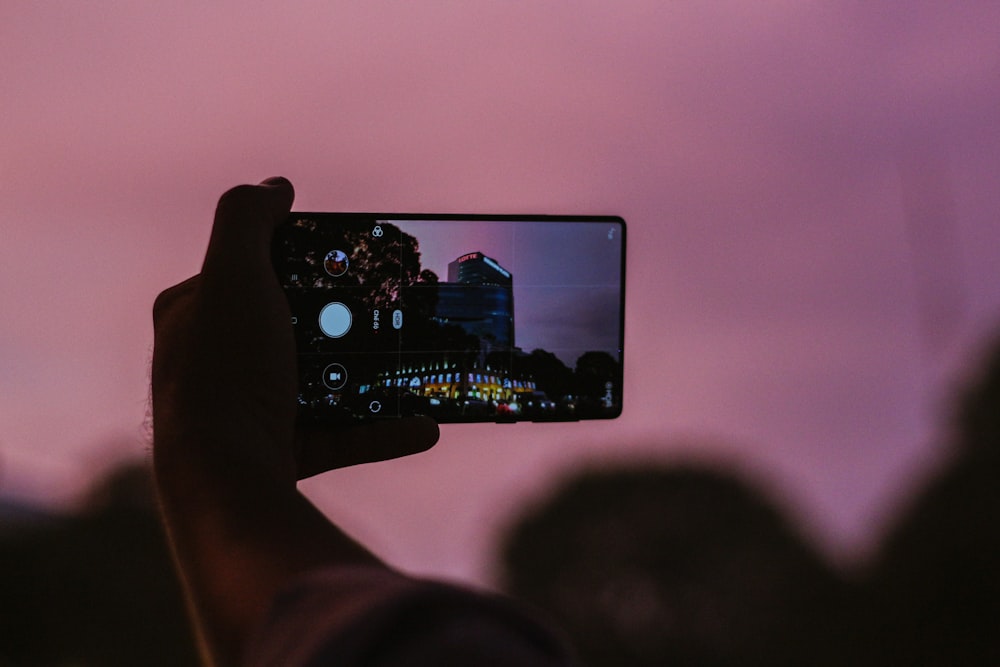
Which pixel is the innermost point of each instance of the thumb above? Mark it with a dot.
(320, 449)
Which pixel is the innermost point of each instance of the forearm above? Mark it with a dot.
(237, 540)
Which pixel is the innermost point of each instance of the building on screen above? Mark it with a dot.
(479, 298)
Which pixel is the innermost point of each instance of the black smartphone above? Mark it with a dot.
(465, 318)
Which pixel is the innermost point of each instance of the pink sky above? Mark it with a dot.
(790, 310)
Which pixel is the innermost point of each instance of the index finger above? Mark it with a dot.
(245, 220)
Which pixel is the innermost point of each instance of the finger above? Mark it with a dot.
(245, 219)
(323, 449)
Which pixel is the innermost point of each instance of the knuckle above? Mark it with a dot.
(167, 299)
(162, 305)
(239, 200)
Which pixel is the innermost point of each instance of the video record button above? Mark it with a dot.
(334, 377)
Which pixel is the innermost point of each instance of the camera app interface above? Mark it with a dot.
(459, 319)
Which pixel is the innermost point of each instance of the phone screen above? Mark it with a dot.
(463, 318)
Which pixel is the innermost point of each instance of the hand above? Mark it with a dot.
(226, 446)
(224, 370)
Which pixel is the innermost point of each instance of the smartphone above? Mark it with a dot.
(464, 318)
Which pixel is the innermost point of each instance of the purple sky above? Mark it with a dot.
(793, 308)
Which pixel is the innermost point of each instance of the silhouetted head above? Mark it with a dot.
(978, 414)
(669, 566)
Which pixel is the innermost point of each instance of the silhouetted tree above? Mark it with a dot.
(382, 264)
(593, 371)
(551, 375)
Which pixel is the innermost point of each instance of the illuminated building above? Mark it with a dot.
(478, 297)
(457, 381)
(475, 268)
(484, 311)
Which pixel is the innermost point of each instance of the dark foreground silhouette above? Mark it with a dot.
(675, 566)
(649, 565)
(93, 588)
(932, 597)
(645, 565)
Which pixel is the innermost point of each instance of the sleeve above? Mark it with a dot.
(376, 617)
